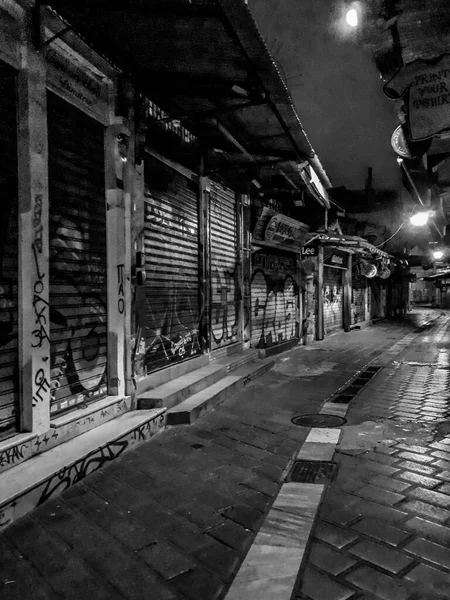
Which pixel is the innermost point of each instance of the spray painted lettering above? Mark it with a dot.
(121, 293)
(274, 299)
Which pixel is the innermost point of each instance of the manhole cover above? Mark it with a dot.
(312, 471)
(319, 421)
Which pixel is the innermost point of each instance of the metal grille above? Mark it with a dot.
(333, 311)
(171, 260)
(274, 296)
(358, 299)
(308, 471)
(9, 395)
(78, 329)
(224, 300)
(349, 392)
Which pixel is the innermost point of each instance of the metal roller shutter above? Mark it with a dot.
(171, 261)
(274, 299)
(333, 305)
(78, 292)
(358, 297)
(9, 383)
(224, 300)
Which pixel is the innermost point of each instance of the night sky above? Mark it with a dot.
(335, 86)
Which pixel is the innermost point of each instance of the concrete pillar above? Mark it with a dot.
(119, 161)
(204, 260)
(34, 314)
(347, 277)
(319, 317)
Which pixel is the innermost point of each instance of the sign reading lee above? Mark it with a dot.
(428, 98)
(309, 251)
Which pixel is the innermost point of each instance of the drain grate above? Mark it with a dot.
(318, 421)
(356, 385)
(343, 398)
(312, 471)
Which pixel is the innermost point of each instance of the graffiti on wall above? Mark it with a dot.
(274, 299)
(77, 471)
(224, 317)
(332, 306)
(77, 316)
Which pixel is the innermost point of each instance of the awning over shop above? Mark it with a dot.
(347, 242)
(205, 63)
(437, 276)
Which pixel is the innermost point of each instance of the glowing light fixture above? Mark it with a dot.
(352, 18)
(420, 219)
(437, 254)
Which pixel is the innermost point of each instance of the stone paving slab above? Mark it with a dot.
(387, 514)
(174, 519)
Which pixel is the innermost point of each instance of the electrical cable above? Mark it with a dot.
(395, 233)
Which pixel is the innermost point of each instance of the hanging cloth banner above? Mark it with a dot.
(428, 98)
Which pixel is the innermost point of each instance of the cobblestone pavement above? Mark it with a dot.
(383, 530)
(174, 518)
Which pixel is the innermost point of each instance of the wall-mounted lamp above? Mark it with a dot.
(122, 146)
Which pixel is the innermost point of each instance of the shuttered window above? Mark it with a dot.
(224, 289)
(78, 292)
(333, 314)
(9, 394)
(171, 262)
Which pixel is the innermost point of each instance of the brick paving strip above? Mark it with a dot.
(174, 518)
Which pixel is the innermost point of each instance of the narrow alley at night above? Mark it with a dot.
(225, 300)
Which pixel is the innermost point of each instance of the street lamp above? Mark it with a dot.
(352, 18)
(438, 254)
(420, 219)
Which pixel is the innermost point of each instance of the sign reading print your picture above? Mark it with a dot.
(428, 98)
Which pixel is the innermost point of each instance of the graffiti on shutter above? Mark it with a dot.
(359, 283)
(9, 384)
(171, 260)
(274, 298)
(78, 327)
(332, 300)
(224, 285)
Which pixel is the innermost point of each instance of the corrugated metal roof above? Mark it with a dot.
(203, 61)
(402, 31)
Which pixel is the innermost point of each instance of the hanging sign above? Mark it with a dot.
(277, 230)
(428, 98)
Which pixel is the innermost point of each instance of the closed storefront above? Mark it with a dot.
(333, 307)
(78, 286)
(274, 294)
(359, 285)
(9, 398)
(172, 314)
(223, 252)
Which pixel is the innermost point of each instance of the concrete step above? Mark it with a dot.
(192, 408)
(173, 392)
(46, 475)
(239, 359)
